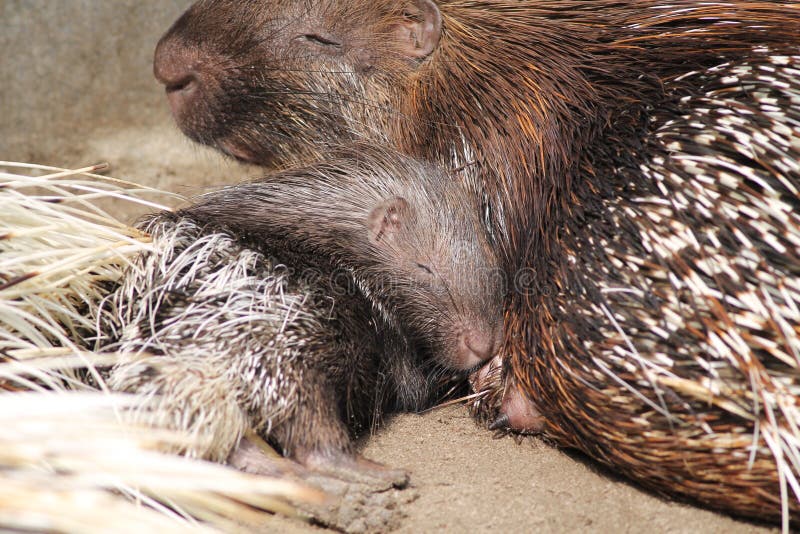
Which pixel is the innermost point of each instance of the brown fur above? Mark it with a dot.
(546, 109)
(529, 87)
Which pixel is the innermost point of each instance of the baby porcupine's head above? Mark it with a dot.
(431, 265)
(407, 234)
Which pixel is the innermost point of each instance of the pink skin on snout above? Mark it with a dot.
(517, 411)
(474, 348)
(177, 69)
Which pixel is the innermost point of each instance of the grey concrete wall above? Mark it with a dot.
(76, 87)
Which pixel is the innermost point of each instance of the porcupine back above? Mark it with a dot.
(219, 335)
(675, 357)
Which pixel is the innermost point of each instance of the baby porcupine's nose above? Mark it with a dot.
(475, 347)
(176, 67)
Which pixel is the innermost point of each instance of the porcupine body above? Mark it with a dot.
(674, 356)
(223, 339)
(305, 305)
(635, 162)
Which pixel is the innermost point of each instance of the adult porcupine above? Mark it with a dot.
(579, 123)
(226, 337)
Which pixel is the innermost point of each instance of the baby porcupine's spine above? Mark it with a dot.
(206, 327)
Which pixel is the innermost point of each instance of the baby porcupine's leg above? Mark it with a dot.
(362, 495)
(315, 436)
(199, 397)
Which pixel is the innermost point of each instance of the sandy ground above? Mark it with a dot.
(109, 109)
(465, 480)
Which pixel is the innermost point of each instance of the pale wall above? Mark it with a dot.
(76, 87)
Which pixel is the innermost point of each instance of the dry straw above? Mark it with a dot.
(68, 462)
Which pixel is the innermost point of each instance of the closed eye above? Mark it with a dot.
(425, 268)
(320, 40)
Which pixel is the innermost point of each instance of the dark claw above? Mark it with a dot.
(501, 422)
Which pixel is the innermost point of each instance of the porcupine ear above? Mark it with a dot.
(387, 219)
(419, 30)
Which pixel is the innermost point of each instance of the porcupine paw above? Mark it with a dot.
(501, 402)
(356, 508)
(363, 496)
(252, 455)
(518, 413)
(487, 384)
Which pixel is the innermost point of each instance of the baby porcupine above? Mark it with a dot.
(349, 285)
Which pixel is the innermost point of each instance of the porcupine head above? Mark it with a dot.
(406, 232)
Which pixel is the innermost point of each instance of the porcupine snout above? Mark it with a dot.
(476, 345)
(178, 69)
